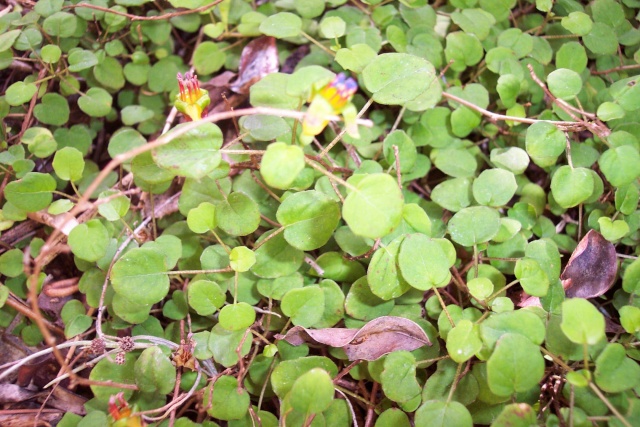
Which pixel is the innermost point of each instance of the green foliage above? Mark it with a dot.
(482, 141)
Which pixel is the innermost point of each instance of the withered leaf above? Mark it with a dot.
(375, 339)
(592, 268)
(258, 58)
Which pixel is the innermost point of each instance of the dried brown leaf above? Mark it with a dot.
(375, 339)
(258, 58)
(592, 268)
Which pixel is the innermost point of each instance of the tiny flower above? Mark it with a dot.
(191, 101)
(331, 99)
(120, 413)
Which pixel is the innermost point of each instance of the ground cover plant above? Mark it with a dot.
(320, 212)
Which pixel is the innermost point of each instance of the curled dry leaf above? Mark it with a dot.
(592, 268)
(375, 339)
(258, 58)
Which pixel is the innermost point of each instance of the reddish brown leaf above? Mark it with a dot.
(375, 339)
(258, 58)
(592, 268)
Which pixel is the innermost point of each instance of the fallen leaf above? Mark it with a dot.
(258, 58)
(375, 339)
(592, 268)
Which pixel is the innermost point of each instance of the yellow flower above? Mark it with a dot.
(331, 99)
(191, 101)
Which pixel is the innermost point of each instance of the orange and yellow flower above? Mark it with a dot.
(191, 101)
(332, 99)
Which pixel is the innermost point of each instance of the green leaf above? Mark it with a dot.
(304, 306)
(456, 162)
(205, 297)
(464, 49)
(81, 59)
(8, 38)
(356, 57)
(564, 83)
(332, 27)
(31, 193)
(615, 372)
(281, 25)
(620, 165)
(463, 341)
(407, 153)
(40, 141)
(364, 305)
(494, 187)
(223, 344)
(96, 102)
(89, 241)
(516, 415)
(438, 413)
(53, 110)
(578, 23)
(398, 78)
(383, 273)
(288, 371)
(107, 370)
(309, 218)
(11, 263)
(140, 276)
(398, 378)
(236, 317)
(515, 365)
(312, 392)
(613, 230)
(424, 262)
(571, 186)
(208, 58)
(544, 143)
(154, 372)
(532, 277)
(281, 164)
(601, 40)
(193, 154)
(582, 323)
(237, 215)
(68, 163)
(228, 401)
(19, 93)
(374, 207)
(109, 73)
(474, 225)
(241, 259)
(522, 322)
(202, 219)
(133, 114)
(276, 258)
(60, 24)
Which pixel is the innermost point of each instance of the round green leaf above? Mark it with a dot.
(463, 341)
(398, 78)
(109, 73)
(81, 59)
(480, 288)
(133, 114)
(60, 24)
(96, 102)
(208, 58)
(364, 305)
(515, 365)
(398, 378)
(601, 40)
(19, 93)
(423, 261)
(11, 263)
(227, 401)
(89, 241)
(620, 165)
(281, 164)
(383, 273)
(513, 159)
(564, 83)
(205, 297)
(53, 110)
(116, 207)
(474, 225)
(31, 193)
(241, 259)
(140, 276)
(440, 413)
(68, 163)
(312, 392)
(374, 207)
(236, 317)
(238, 215)
(304, 306)
(309, 218)
(108, 371)
(202, 219)
(615, 372)
(494, 187)
(332, 27)
(578, 23)
(582, 323)
(407, 153)
(571, 186)
(281, 25)
(276, 257)
(532, 277)
(544, 143)
(193, 154)
(154, 372)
